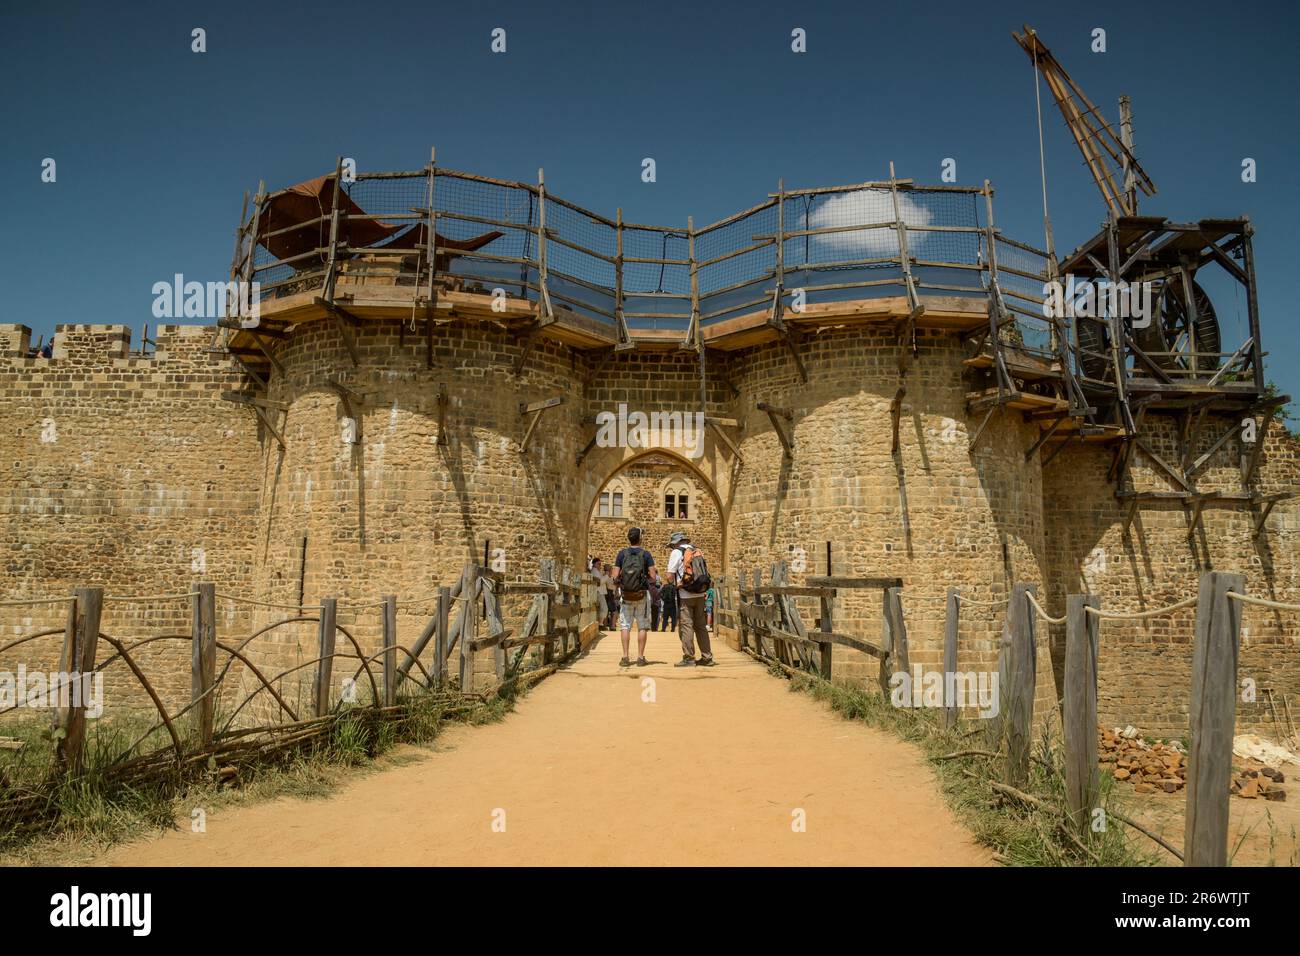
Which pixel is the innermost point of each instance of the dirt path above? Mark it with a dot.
(588, 774)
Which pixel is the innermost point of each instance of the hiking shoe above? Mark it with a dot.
(685, 662)
(705, 662)
(641, 662)
(625, 663)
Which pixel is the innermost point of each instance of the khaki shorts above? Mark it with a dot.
(638, 611)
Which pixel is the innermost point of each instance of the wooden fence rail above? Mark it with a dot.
(560, 622)
(767, 616)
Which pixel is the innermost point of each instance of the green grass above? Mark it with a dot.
(1020, 833)
(85, 814)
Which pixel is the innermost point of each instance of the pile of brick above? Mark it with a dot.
(1147, 766)
(1153, 767)
(1253, 783)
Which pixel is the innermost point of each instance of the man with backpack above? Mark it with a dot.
(688, 570)
(634, 571)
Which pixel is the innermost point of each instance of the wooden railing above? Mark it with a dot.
(559, 621)
(770, 627)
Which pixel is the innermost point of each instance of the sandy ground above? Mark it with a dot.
(1260, 832)
(586, 772)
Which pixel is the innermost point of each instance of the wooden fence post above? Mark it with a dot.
(203, 658)
(1212, 719)
(90, 606)
(895, 628)
(325, 666)
(492, 614)
(827, 626)
(390, 649)
(1022, 663)
(758, 635)
(1082, 779)
(469, 626)
(441, 636)
(951, 621)
(547, 576)
(993, 732)
(742, 628)
(66, 657)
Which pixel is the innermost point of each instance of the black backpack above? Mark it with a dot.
(634, 574)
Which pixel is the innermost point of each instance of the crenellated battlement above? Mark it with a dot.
(86, 345)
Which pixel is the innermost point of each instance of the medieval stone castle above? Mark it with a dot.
(413, 396)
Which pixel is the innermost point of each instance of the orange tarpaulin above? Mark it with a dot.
(314, 199)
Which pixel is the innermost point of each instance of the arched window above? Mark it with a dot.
(614, 500)
(677, 495)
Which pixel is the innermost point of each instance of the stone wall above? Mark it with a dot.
(131, 473)
(1144, 666)
(937, 515)
(127, 473)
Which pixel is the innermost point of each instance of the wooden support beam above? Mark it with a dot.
(895, 414)
(1232, 360)
(773, 413)
(1198, 505)
(1204, 459)
(1042, 439)
(586, 450)
(536, 409)
(1132, 511)
(342, 320)
(1268, 505)
(984, 424)
(266, 420)
(266, 350)
(1257, 452)
(248, 370)
(723, 437)
(442, 413)
(1060, 448)
(820, 581)
(1164, 466)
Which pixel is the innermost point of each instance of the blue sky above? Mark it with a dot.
(155, 144)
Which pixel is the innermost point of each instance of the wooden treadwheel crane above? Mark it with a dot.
(1109, 156)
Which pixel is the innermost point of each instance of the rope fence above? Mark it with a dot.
(1262, 602)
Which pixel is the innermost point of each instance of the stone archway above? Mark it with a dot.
(641, 477)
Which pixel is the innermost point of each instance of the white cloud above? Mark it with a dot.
(862, 207)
